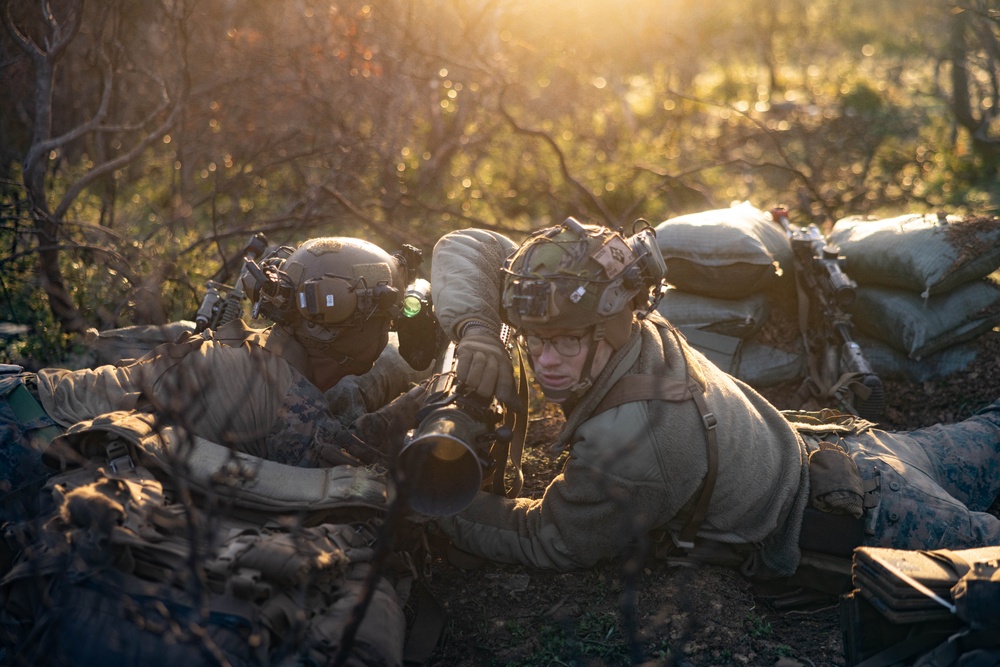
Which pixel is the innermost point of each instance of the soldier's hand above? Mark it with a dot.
(483, 365)
(375, 437)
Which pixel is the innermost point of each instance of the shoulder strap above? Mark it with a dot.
(517, 422)
(632, 388)
(639, 387)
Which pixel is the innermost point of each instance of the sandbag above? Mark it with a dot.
(927, 254)
(741, 318)
(725, 253)
(892, 364)
(762, 365)
(757, 364)
(919, 327)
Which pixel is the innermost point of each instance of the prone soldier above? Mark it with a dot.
(662, 443)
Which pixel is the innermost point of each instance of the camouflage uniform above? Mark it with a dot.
(935, 483)
(242, 396)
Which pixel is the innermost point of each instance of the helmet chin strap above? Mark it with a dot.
(586, 380)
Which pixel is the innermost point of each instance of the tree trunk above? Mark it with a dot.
(985, 147)
(63, 308)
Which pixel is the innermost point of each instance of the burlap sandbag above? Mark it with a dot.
(926, 254)
(725, 253)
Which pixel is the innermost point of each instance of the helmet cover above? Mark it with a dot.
(332, 286)
(574, 276)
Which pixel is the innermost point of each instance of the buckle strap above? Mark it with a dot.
(119, 459)
(708, 418)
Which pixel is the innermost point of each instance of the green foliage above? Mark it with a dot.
(758, 627)
(350, 118)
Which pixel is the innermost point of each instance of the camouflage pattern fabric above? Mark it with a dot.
(935, 483)
(290, 441)
(307, 433)
(22, 472)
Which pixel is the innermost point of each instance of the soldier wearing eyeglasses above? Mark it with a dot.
(666, 446)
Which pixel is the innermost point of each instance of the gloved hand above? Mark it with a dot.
(483, 365)
(375, 437)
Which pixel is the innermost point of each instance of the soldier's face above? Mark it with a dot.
(558, 356)
(353, 353)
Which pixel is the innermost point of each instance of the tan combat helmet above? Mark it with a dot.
(329, 290)
(576, 276)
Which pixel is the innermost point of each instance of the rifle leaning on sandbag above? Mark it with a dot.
(461, 445)
(838, 369)
(216, 310)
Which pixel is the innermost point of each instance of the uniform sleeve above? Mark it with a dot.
(390, 377)
(585, 515)
(229, 395)
(72, 396)
(612, 488)
(466, 279)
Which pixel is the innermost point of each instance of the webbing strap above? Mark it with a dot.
(428, 623)
(644, 388)
(520, 428)
(517, 422)
(709, 421)
(641, 387)
(950, 559)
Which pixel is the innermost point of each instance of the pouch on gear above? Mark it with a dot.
(128, 576)
(834, 481)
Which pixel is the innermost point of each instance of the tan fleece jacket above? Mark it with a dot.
(240, 395)
(634, 467)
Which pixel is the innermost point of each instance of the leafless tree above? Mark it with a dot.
(46, 39)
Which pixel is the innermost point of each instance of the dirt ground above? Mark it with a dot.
(661, 613)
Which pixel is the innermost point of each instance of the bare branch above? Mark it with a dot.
(74, 191)
(563, 167)
(25, 43)
(61, 38)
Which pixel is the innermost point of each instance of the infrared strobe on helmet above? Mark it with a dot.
(574, 276)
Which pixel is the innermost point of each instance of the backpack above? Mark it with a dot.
(926, 608)
(157, 548)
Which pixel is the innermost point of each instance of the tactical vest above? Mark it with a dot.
(162, 549)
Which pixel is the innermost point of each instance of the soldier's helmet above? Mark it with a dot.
(331, 290)
(576, 276)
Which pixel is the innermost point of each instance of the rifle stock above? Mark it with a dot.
(838, 368)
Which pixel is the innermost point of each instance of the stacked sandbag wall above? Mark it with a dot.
(727, 270)
(928, 286)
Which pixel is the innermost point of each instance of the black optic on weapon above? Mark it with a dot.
(842, 287)
(209, 306)
(448, 455)
(412, 257)
(869, 399)
(215, 310)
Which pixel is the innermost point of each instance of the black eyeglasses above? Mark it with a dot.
(566, 346)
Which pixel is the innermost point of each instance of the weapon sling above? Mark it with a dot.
(517, 421)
